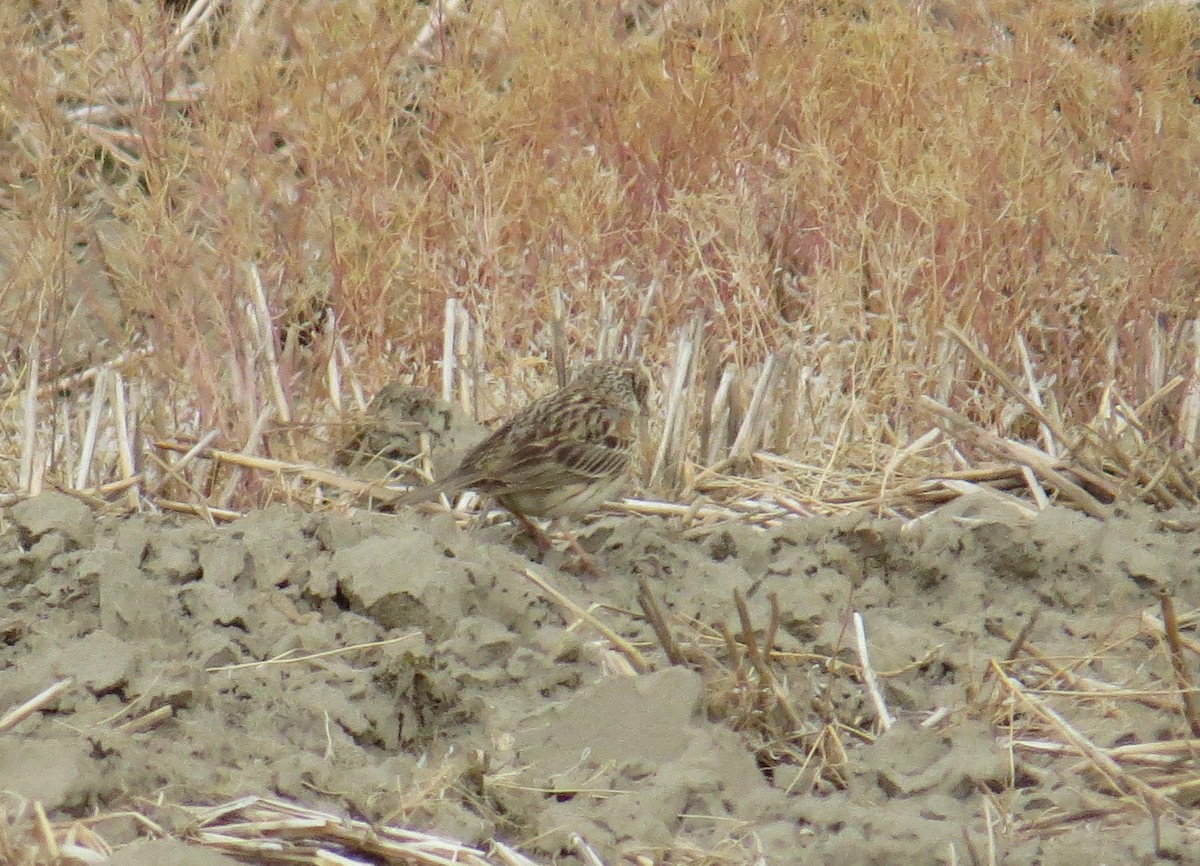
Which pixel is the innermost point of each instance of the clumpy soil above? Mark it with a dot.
(441, 690)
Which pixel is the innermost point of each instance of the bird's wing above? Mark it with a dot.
(546, 468)
(520, 457)
(591, 460)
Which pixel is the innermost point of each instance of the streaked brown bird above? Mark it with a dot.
(562, 455)
(401, 422)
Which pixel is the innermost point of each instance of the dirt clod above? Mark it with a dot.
(402, 669)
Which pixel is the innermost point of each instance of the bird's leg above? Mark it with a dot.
(586, 560)
(545, 544)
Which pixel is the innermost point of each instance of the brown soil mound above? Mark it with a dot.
(478, 710)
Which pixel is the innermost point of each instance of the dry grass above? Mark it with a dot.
(242, 218)
(254, 829)
(876, 254)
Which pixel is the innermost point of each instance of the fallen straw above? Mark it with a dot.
(280, 831)
(286, 659)
(307, 471)
(146, 722)
(623, 646)
(585, 851)
(1121, 781)
(1043, 465)
(886, 719)
(172, 471)
(45, 832)
(23, 711)
(1187, 691)
(509, 857)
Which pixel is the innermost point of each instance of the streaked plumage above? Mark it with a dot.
(563, 454)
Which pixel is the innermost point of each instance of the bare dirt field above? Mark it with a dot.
(420, 679)
(873, 255)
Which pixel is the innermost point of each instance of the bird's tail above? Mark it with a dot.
(449, 484)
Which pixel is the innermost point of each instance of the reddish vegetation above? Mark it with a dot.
(833, 181)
